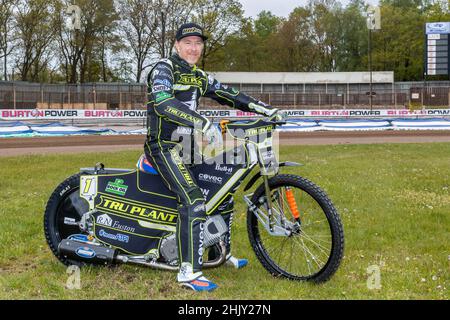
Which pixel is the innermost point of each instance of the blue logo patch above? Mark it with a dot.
(163, 82)
(85, 252)
(118, 237)
(79, 237)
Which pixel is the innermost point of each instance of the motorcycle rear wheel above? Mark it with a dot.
(64, 203)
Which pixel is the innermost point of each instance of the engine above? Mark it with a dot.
(214, 228)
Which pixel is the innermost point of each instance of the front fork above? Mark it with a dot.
(269, 221)
(269, 202)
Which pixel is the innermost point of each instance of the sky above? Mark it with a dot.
(279, 7)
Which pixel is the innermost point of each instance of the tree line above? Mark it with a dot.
(119, 40)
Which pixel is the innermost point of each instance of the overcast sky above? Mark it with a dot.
(278, 7)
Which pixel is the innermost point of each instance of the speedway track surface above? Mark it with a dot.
(79, 144)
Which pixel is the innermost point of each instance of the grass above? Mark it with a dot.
(394, 200)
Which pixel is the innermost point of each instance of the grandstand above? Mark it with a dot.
(315, 90)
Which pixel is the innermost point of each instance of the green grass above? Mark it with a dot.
(394, 200)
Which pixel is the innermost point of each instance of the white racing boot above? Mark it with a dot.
(194, 281)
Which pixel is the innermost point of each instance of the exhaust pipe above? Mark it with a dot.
(86, 252)
(95, 254)
(163, 266)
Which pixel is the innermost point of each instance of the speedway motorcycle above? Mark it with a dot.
(111, 216)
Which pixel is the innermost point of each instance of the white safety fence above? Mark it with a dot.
(14, 123)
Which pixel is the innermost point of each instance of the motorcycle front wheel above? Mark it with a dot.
(304, 239)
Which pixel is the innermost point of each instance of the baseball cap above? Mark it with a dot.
(190, 29)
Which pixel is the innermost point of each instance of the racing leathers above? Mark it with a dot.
(174, 90)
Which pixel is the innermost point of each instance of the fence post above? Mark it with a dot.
(393, 96)
(422, 96)
(95, 96)
(14, 95)
(348, 93)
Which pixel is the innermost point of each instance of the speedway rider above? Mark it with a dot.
(175, 86)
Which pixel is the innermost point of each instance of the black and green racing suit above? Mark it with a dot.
(174, 90)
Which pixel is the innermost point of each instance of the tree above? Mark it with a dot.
(398, 46)
(251, 48)
(266, 24)
(136, 23)
(353, 44)
(297, 50)
(219, 18)
(35, 32)
(168, 15)
(7, 38)
(84, 51)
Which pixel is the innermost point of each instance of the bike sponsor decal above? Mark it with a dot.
(184, 130)
(105, 220)
(200, 246)
(140, 211)
(227, 170)
(259, 131)
(205, 192)
(209, 178)
(117, 187)
(79, 237)
(118, 237)
(88, 189)
(117, 225)
(85, 252)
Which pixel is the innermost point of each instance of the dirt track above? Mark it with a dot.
(77, 144)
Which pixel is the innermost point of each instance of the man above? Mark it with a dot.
(175, 86)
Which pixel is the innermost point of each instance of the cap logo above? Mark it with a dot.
(192, 30)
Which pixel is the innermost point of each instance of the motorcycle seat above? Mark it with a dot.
(144, 165)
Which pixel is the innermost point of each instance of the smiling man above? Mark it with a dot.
(175, 86)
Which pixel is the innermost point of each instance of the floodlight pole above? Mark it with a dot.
(370, 68)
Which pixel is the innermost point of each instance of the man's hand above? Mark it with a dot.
(277, 115)
(280, 116)
(268, 111)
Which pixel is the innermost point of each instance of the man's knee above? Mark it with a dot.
(194, 199)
